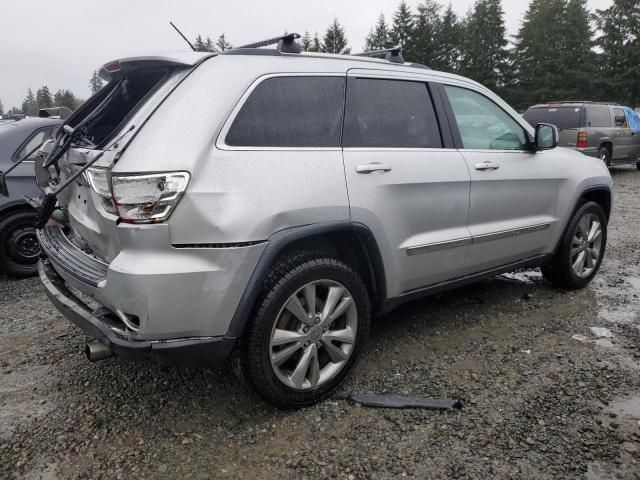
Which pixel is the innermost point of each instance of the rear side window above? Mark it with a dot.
(36, 140)
(291, 112)
(561, 117)
(391, 114)
(598, 116)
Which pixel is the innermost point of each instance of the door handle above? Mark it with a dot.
(487, 166)
(373, 167)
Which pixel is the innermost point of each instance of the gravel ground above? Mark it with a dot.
(538, 403)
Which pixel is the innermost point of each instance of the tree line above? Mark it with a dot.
(562, 50)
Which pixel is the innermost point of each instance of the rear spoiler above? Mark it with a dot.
(183, 60)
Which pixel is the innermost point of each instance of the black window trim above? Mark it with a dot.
(436, 101)
(454, 125)
(15, 157)
(221, 142)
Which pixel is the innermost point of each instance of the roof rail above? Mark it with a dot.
(393, 55)
(581, 101)
(286, 43)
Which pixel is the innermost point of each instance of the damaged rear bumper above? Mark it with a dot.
(200, 352)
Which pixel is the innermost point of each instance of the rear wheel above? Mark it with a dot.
(308, 331)
(638, 165)
(579, 257)
(19, 248)
(605, 155)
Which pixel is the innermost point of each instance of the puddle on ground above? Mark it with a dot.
(627, 406)
(619, 315)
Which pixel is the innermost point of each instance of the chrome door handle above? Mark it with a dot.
(487, 166)
(373, 167)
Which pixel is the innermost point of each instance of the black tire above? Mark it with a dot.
(560, 271)
(638, 165)
(18, 245)
(605, 155)
(288, 275)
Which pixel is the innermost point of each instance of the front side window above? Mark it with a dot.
(621, 118)
(483, 125)
(389, 114)
(598, 116)
(36, 140)
(291, 111)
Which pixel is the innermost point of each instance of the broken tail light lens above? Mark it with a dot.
(147, 198)
(99, 181)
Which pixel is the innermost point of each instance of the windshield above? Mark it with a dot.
(561, 117)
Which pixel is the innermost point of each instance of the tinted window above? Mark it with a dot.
(291, 112)
(561, 117)
(483, 124)
(36, 140)
(598, 116)
(389, 113)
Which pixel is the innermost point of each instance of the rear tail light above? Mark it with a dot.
(139, 198)
(582, 139)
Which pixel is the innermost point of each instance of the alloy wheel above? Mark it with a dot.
(586, 246)
(313, 335)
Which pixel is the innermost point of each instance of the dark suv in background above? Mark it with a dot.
(595, 129)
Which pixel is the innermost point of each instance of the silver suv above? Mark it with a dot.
(266, 204)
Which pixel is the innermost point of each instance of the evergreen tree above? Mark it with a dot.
(484, 54)
(199, 44)
(422, 45)
(334, 40)
(316, 44)
(29, 104)
(402, 27)
(65, 98)
(306, 42)
(620, 43)
(578, 56)
(95, 83)
(378, 38)
(1, 108)
(209, 46)
(449, 37)
(44, 98)
(222, 43)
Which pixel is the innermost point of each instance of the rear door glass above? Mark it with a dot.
(561, 117)
(295, 111)
(620, 118)
(598, 116)
(390, 114)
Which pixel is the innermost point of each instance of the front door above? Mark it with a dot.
(409, 190)
(514, 191)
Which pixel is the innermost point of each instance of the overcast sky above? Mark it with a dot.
(59, 43)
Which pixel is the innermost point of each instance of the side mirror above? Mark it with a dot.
(546, 136)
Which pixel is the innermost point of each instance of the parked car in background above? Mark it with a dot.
(269, 203)
(596, 129)
(18, 244)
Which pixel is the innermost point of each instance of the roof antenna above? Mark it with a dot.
(181, 34)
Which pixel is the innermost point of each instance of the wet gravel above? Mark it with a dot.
(537, 403)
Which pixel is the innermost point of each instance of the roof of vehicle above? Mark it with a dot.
(13, 133)
(190, 58)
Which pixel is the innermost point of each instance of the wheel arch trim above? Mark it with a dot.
(284, 238)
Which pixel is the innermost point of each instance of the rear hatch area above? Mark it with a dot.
(92, 141)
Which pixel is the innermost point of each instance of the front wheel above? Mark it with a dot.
(308, 330)
(580, 254)
(19, 248)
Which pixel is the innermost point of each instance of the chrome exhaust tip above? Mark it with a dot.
(96, 350)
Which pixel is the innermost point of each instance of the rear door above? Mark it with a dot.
(514, 191)
(406, 182)
(624, 139)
